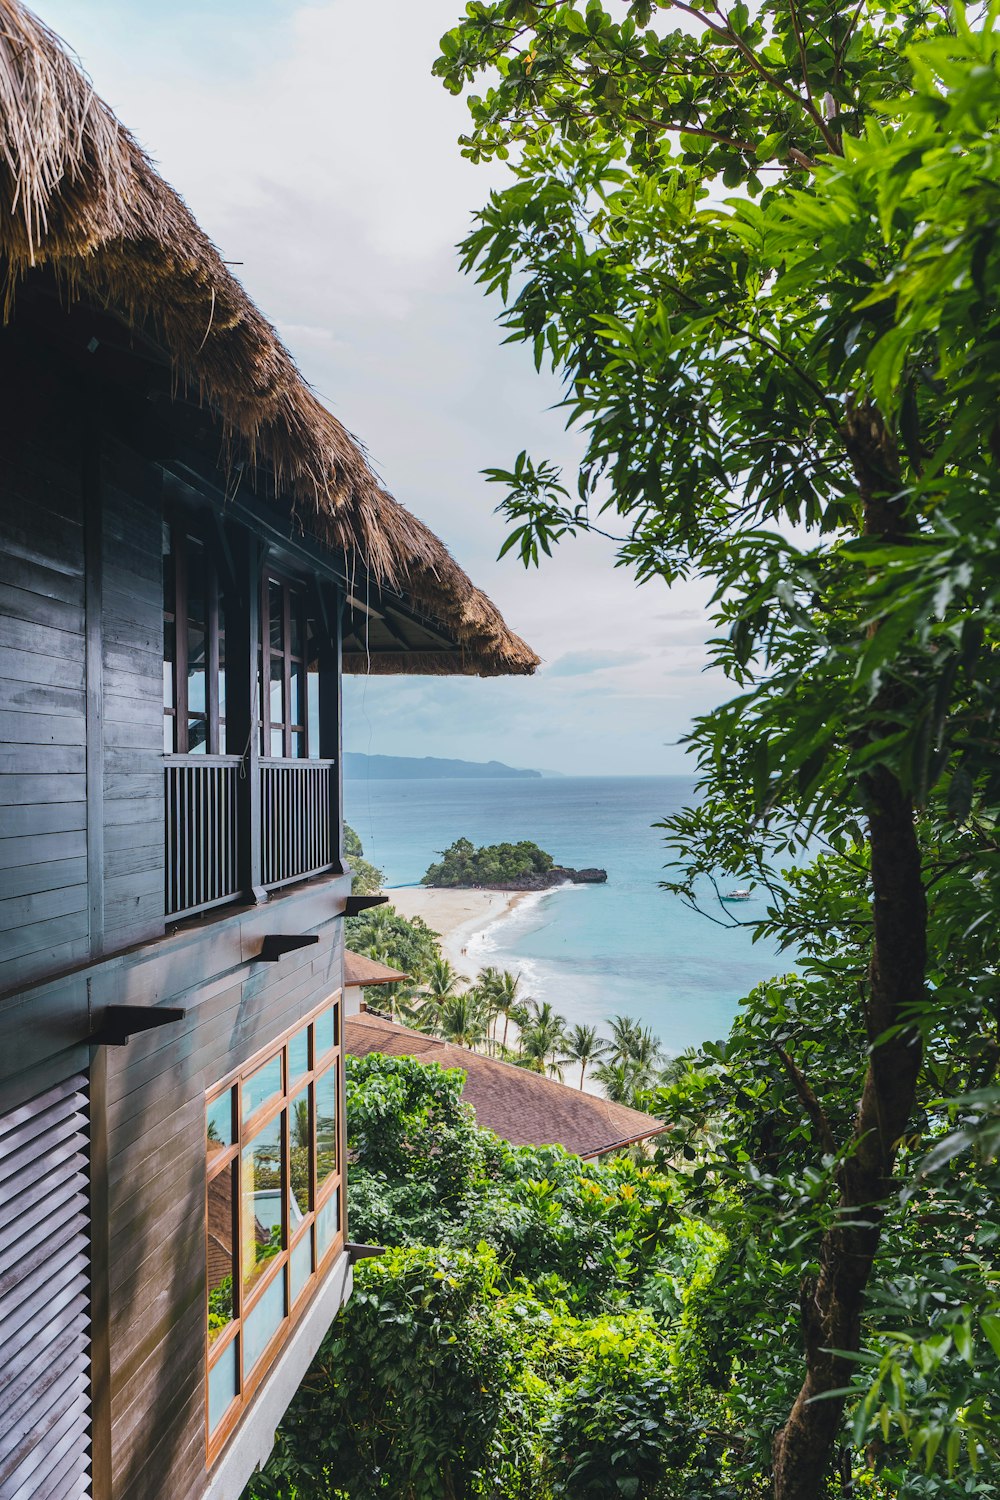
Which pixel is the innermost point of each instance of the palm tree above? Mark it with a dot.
(442, 981)
(502, 993)
(542, 1038)
(583, 1045)
(618, 1080)
(625, 1032)
(462, 1020)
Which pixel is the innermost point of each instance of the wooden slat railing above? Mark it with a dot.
(202, 868)
(296, 828)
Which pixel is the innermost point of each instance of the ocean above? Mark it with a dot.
(625, 948)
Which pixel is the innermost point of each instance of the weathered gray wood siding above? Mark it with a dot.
(156, 1174)
(132, 673)
(44, 922)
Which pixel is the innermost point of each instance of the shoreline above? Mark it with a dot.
(459, 917)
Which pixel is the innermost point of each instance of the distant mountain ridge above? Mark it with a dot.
(426, 768)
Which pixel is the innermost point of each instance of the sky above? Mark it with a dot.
(313, 145)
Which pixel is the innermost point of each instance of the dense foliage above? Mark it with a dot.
(530, 1333)
(793, 391)
(494, 864)
(367, 880)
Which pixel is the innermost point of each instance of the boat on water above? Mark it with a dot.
(737, 895)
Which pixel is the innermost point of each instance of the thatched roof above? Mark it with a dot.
(78, 195)
(523, 1107)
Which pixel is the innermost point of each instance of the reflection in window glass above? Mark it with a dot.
(219, 1123)
(223, 1384)
(222, 674)
(262, 1086)
(220, 1247)
(325, 1031)
(298, 1055)
(312, 712)
(301, 1259)
(327, 1225)
(261, 1189)
(262, 1323)
(326, 1126)
(196, 637)
(298, 1156)
(276, 615)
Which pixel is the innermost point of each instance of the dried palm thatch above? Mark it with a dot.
(79, 195)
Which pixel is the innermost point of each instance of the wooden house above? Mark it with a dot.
(191, 551)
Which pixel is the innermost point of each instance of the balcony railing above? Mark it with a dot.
(202, 865)
(296, 830)
(295, 815)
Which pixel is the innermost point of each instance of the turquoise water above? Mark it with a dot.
(593, 951)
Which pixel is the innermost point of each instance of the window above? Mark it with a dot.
(275, 1171)
(289, 706)
(194, 646)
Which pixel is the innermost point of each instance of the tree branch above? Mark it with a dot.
(808, 1100)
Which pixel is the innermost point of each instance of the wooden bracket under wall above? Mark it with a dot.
(124, 1021)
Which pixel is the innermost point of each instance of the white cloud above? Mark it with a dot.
(314, 146)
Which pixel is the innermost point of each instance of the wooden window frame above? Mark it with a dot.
(296, 589)
(245, 1132)
(184, 533)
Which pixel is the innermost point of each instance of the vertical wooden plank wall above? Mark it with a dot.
(132, 645)
(44, 918)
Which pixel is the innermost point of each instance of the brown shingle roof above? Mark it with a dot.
(359, 969)
(523, 1107)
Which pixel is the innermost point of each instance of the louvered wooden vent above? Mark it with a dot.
(45, 1297)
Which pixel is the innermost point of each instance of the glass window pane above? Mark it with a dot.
(298, 1055)
(312, 713)
(301, 1265)
(219, 1123)
(327, 1225)
(295, 644)
(295, 715)
(275, 607)
(299, 1136)
(277, 691)
(197, 736)
(277, 744)
(168, 663)
(196, 638)
(263, 1321)
(262, 1086)
(223, 1385)
(168, 734)
(326, 1126)
(325, 1032)
(220, 1248)
(261, 1188)
(298, 746)
(222, 656)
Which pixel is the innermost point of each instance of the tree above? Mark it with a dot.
(501, 991)
(462, 1020)
(541, 1039)
(441, 981)
(582, 1044)
(366, 879)
(818, 352)
(621, 1080)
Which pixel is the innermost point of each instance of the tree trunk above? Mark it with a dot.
(583, 1069)
(833, 1302)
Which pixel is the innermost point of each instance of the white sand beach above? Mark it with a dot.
(458, 916)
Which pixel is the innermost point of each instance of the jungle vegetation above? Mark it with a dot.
(462, 864)
(759, 246)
